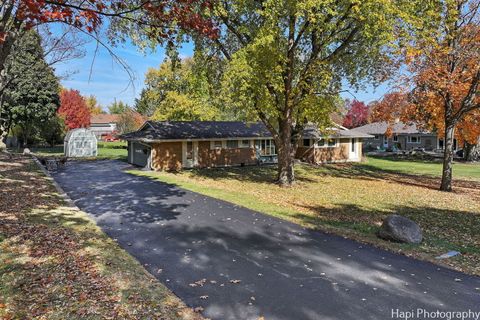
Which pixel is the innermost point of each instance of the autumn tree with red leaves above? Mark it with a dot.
(146, 22)
(74, 109)
(357, 114)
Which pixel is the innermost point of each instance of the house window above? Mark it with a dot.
(395, 138)
(413, 139)
(265, 147)
(323, 143)
(217, 144)
(332, 142)
(232, 144)
(244, 143)
(306, 142)
(376, 137)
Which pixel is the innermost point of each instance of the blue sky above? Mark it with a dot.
(109, 81)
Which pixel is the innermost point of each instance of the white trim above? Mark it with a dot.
(385, 141)
(325, 145)
(242, 146)
(194, 160)
(409, 139)
(144, 124)
(195, 153)
(353, 155)
(212, 144)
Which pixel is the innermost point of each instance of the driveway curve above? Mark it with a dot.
(236, 263)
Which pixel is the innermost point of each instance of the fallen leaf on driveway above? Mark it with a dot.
(198, 309)
(235, 281)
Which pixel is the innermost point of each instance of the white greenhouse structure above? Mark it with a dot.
(80, 143)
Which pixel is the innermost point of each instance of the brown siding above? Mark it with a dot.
(322, 155)
(167, 156)
(224, 157)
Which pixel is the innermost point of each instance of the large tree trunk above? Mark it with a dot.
(448, 159)
(286, 172)
(286, 151)
(3, 135)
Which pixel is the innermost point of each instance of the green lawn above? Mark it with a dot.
(352, 200)
(468, 171)
(106, 150)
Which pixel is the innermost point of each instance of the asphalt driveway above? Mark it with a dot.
(239, 264)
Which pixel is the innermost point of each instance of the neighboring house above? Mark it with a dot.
(201, 144)
(104, 124)
(403, 137)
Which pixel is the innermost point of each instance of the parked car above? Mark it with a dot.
(109, 138)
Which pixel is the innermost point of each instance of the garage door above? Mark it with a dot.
(138, 154)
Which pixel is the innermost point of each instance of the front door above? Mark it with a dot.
(353, 154)
(385, 142)
(190, 154)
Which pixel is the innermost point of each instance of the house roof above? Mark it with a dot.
(397, 128)
(203, 130)
(181, 130)
(312, 132)
(104, 118)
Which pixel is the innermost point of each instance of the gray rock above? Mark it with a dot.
(26, 151)
(400, 229)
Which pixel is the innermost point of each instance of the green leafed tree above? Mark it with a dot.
(31, 97)
(118, 107)
(287, 59)
(180, 92)
(182, 107)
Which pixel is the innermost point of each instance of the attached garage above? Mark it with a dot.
(139, 154)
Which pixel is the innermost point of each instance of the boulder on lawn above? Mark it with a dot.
(400, 229)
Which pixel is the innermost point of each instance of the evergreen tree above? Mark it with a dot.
(31, 97)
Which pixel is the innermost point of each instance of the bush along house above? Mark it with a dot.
(175, 145)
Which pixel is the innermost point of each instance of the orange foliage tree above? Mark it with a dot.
(443, 80)
(446, 74)
(74, 109)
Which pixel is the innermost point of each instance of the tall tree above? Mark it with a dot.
(178, 91)
(357, 114)
(93, 106)
(287, 59)
(117, 107)
(445, 64)
(31, 96)
(147, 23)
(182, 107)
(129, 120)
(74, 109)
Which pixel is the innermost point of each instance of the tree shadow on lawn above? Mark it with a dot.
(261, 174)
(458, 229)
(368, 172)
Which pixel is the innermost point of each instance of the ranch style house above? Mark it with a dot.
(403, 136)
(174, 145)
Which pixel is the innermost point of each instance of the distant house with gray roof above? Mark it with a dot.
(174, 145)
(404, 136)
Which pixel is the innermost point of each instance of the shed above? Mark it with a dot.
(80, 143)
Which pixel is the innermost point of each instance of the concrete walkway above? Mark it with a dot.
(239, 264)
